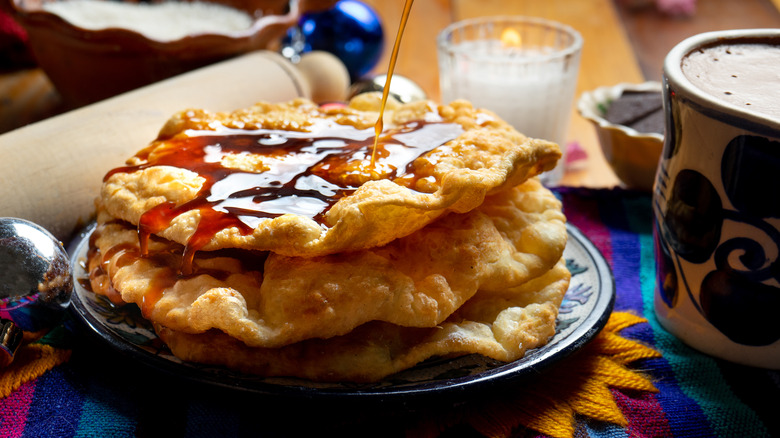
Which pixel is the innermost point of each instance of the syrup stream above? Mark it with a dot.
(386, 91)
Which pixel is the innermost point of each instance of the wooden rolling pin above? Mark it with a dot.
(51, 171)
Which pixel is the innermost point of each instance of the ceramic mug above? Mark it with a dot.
(716, 200)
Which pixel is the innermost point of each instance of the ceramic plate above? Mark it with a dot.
(584, 311)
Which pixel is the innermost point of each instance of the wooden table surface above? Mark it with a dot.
(609, 55)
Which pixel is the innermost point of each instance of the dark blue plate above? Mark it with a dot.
(584, 312)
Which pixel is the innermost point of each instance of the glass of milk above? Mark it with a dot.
(522, 68)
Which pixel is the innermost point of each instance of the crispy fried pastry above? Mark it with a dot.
(499, 328)
(298, 180)
(270, 300)
(288, 240)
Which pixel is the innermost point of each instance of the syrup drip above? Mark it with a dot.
(98, 264)
(318, 186)
(379, 127)
(304, 173)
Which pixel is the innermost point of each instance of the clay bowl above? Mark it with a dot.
(631, 154)
(90, 65)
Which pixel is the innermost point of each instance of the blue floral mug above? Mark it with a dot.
(716, 200)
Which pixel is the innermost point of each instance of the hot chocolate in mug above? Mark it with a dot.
(716, 200)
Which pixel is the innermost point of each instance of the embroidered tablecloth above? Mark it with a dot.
(633, 380)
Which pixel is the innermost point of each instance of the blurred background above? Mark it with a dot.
(625, 41)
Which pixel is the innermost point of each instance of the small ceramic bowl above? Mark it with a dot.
(89, 65)
(632, 155)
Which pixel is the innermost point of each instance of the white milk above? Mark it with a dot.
(166, 21)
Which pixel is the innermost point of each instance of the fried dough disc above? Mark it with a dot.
(270, 300)
(502, 328)
(456, 157)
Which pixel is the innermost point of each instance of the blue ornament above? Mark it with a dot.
(351, 30)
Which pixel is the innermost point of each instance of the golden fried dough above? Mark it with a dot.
(287, 239)
(531, 221)
(276, 177)
(500, 328)
(270, 300)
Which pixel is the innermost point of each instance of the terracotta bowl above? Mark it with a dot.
(89, 65)
(632, 155)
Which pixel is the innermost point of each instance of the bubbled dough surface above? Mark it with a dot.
(502, 328)
(416, 281)
(487, 158)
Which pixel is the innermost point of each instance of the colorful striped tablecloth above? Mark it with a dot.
(653, 385)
